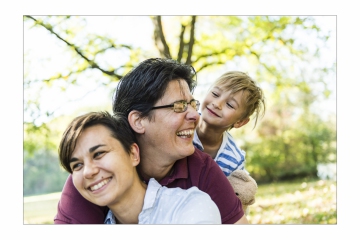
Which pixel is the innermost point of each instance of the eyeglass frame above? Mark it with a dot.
(185, 104)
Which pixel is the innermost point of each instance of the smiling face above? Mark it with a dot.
(102, 171)
(168, 135)
(223, 109)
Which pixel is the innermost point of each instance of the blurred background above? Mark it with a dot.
(72, 65)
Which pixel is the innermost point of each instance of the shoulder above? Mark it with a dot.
(229, 138)
(192, 206)
(232, 146)
(199, 209)
(208, 177)
(202, 165)
(201, 156)
(74, 208)
(200, 160)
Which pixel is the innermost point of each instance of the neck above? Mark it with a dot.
(152, 169)
(211, 138)
(127, 210)
(154, 163)
(209, 135)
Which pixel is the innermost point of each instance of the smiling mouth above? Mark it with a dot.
(99, 185)
(212, 112)
(185, 133)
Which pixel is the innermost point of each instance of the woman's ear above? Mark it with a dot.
(135, 154)
(241, 123)
(136, 122)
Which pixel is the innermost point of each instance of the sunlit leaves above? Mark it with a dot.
(35, 138)
(291, 145)
(272, 47)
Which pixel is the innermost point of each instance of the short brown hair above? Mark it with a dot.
(118, 126)
(236, 81)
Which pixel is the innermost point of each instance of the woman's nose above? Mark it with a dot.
(192, 114)
(90, 170)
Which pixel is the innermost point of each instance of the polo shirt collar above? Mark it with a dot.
(180, 171)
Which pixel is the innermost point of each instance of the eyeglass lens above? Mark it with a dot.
(181, 106)
(195, 104)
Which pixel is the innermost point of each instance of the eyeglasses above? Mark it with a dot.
(181, 106)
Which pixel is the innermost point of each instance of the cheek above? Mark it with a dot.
(207, 99)
(227, 113)
(113, 163)
(176, 122)
(204, 103)
(77, 180)
(168, 123)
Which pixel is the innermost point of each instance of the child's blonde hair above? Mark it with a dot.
(254, 100)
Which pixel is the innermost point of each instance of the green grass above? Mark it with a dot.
(311, 202)
(40, 209)
(299, 202)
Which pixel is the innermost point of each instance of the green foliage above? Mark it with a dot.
(43, 174)
(36, 138)
(288, 147)
(47, 136)
(290, 141)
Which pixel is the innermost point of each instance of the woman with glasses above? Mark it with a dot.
(156, 98)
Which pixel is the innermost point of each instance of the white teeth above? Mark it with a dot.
(185, 133)
(99, 185)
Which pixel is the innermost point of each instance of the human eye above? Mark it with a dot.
(215, 94)
(76, 166)
(229, 105)
(99, 154)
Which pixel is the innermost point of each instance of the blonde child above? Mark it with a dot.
(230, 102)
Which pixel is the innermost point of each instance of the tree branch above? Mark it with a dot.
(181, 43)
(191, 41)
(75, 48)
(162, 38)
(207, 64)
(212, 54)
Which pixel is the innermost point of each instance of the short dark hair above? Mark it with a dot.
(144, 85)
(118, 126)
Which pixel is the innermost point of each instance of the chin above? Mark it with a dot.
(190, 150)
(100, 203)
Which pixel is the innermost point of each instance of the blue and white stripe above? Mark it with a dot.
(229, 157)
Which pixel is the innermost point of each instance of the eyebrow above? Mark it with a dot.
(216, 87)
(92, 149)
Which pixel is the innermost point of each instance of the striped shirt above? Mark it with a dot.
(229, 157)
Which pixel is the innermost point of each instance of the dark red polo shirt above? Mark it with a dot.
(199, 170)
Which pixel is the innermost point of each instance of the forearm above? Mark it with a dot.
(74, 209)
